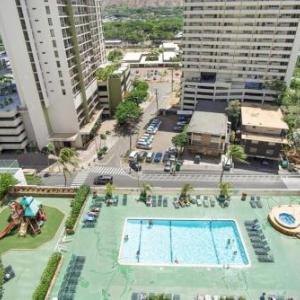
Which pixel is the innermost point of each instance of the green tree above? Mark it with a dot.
(225, 190)
(234, 153)
(145, 190)
(185, 190)
(109, 189)
(128, 113)
(140, 85)
(7, 180)
(66, 161)
(180, 141)
(103, 74)
(115, 55)
(137, 96)
(233, 111)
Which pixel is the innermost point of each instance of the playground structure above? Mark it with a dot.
(28, 215)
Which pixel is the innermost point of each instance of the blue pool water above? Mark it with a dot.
(287, 218)
(182, 242)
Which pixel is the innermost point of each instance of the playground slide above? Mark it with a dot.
(23, 229)
(7, 229)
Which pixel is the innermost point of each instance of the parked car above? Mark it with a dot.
(143, 145)
(178, 128)
(168, 166)
(103, 179)
(166, 156)
(141, 156)
(149, 157)
(135, 166)
(157, 157)
(133, 156)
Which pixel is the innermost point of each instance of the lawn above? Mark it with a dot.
(13, 241)
(33, 180)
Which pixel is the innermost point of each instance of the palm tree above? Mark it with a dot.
(185, 190)
(146, 188)
(66, 159)
(225, 190)
(109, 189)
(234, 152)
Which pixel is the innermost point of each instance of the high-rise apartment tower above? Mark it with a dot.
(235, 49)
(55, 47)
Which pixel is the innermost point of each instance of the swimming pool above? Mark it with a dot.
(178, 242)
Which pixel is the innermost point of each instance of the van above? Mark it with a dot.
(149, 157)
(133, 156)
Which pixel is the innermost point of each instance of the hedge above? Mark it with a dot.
(47, 276)
(1, 278)
(77, 204)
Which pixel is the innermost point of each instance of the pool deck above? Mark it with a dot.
(29, 264)
(103, 278)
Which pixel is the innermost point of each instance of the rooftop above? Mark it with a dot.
(208, 123)
(259, 115)
(132, 57)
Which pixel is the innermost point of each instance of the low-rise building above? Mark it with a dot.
(264, 131)
(113, 90)
(208, 133)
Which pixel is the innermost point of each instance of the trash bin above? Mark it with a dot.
(178, 166)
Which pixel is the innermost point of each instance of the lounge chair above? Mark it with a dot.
(207, 297)
(148, 201)
(199, 202)
(165, 202)
(159, 202)
(252, 198)
(193, 200)
(216, 297)
(261, 252)
(200, 297)
(265, 258)
(252, 203)
(176, 204)
(259, 202)
(257, 239)
(124, 201)
(134, 296)
(116, 200)
(154, 202)
(257, 230)
(205, 201)
(212, 201)
(254, 234)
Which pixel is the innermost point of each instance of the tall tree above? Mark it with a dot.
(66, 161)
(234, 153)
(185, 190)
(180, 141)
(233, 111)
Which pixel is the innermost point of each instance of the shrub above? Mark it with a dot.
(77, 204)
(102, 136)
(47, 276)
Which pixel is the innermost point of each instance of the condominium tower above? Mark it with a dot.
(55, 47)
(233, 49)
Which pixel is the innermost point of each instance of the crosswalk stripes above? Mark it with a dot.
(80, 178)
(100, 170)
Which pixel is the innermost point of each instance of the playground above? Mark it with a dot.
(29, 255)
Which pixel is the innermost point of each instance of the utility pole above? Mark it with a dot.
(156, 99)
(172, 80)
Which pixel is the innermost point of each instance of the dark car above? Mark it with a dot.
(135, 166)
(157, 157)
(103, 179)
(166, 156)
(8, 273)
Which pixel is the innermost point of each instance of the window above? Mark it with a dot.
(52, 33)
(58, 64)
(54, 43)
(252, 150)
(56, 53)
(50, 21)
(63, 92)
(62, 83)
(60, 73)
(270, 152)
(47, 10)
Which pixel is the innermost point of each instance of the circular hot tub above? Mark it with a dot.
(287, 220)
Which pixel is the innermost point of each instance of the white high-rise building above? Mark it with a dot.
(232, 48)
(55, 47)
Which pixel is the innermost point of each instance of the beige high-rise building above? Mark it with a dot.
(55, 47)
(232, 48)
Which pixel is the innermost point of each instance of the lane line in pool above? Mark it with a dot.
(171, 243)
(140, 243)
(213, 241)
